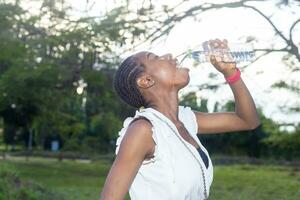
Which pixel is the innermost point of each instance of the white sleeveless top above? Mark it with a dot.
(173, 173)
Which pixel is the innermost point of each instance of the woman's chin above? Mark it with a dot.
(182, 78)
(184, 83)
(183, 68)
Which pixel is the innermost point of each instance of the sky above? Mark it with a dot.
(235, 25)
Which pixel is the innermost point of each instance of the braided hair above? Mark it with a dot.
(125, 82)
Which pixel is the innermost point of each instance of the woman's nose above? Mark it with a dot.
(168, 56)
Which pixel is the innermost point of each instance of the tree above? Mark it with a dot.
(166, 17)
(43, 67)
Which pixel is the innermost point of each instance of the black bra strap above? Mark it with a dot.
(203, 156)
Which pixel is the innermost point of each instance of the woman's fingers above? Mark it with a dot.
(214, 44)
(220, 50)
(218, 44)
(225, 42)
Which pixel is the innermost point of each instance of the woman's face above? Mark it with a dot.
(164, 70)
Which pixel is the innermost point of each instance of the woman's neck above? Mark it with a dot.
(167, 104)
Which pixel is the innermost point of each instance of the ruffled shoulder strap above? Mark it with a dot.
(188, 116)
(127, 122)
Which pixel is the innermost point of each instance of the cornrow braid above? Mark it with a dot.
(125, 82)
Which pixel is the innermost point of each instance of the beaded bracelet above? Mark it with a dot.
(235, 77)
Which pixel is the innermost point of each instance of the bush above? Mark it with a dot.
(72, 144)
(285, 145)
(92, 144)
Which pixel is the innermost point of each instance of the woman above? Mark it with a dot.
(159, 156)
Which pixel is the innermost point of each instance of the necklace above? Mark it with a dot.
(202, 170)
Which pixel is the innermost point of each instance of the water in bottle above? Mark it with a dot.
(236, 52)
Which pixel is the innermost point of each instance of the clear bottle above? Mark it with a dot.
(237, 52)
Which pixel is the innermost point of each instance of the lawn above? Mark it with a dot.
(82, 181)
(251, 182)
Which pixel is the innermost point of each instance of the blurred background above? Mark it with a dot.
(60, 117)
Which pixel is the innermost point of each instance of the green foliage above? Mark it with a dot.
(92, 144)
(190, 100)
(294, 86)
(9, 133)
(72, 145)
(43, 64)
(103, 132)
(284, 145)
(106, 125)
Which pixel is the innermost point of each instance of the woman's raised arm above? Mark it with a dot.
(245, 116)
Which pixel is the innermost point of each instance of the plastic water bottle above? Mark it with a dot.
(237, 52)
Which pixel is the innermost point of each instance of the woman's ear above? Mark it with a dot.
(145, 81)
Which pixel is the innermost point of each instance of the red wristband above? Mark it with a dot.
(233, 78)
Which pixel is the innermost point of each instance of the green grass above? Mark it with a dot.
(75, 180)
(254, 182)
(12, 187)
(83, 181)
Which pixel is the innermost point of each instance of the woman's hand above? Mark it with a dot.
(220, 57)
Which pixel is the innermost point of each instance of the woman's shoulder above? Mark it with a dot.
(139, 130)
(136, 129)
